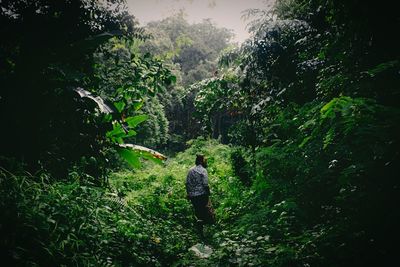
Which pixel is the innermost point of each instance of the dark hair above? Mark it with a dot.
(199, 159)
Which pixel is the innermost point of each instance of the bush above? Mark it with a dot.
(70, 224)
(241, 167)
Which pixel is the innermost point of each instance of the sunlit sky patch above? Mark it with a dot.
(225, 13)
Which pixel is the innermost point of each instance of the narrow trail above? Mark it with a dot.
(164, 219)
(157, 195)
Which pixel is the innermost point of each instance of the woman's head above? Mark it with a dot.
(201, 160)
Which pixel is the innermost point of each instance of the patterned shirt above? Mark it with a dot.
(197, 181)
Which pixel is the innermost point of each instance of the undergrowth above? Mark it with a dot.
(144, 219)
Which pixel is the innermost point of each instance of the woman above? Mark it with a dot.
(198, 192)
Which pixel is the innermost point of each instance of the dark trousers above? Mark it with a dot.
(203, 209)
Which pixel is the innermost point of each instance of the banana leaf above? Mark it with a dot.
(142, 152)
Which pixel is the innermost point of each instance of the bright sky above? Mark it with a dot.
(225, 13)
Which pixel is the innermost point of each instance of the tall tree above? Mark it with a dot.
(192, 51)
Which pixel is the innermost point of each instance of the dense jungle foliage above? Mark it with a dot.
(300, 125)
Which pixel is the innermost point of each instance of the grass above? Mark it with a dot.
(157, 192)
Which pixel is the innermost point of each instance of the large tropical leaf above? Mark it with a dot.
(131, 156)
(104, 108)
(143, 152)
(135, 120)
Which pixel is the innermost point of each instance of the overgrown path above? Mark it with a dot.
(144, 220)
(158, 194)
(249, 231)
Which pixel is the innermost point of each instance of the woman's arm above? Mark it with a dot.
(205, 182)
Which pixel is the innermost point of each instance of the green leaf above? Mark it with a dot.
(134, 121)
(327, 110)
(107, 118)
(130, 133)
(329, 137)
(381, 68)
(130, 156)
(118, 140)
(120, 105)
(172, 78)
(145, 153)
(137, 105)
(305, 141)
(149, 156)
(116, 132)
